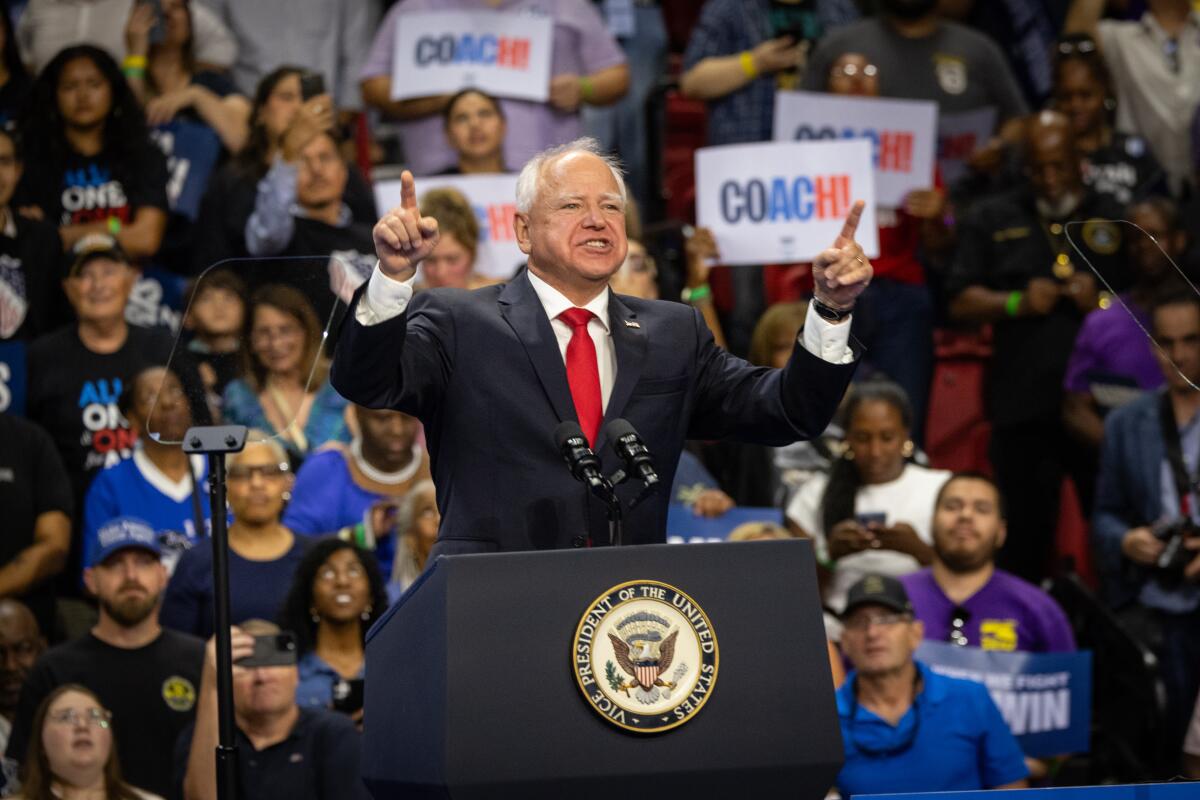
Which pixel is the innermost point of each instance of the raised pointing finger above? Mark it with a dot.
(408, 191)
(851, 226)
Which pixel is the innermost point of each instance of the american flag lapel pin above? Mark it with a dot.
(629, 323)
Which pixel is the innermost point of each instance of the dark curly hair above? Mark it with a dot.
(296, 615)
(43, 136)
(841, 491)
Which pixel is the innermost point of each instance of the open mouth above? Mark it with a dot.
(343, 599)
(597, 245)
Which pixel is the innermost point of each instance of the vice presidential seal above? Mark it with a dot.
(645, 656)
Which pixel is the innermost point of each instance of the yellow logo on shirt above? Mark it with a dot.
(179, 693)
(998, 634)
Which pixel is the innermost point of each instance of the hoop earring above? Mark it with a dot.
(908, 449)
(848, 455)
(287, 497)
(366, 614)
(316, 618)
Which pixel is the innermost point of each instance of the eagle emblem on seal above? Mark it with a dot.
(644, 647)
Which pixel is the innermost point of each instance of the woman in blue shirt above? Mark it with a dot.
(337, 594)
(283, 392)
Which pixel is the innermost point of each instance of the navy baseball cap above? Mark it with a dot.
(123, 533)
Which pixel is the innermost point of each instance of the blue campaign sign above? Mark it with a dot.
(1141, 791)
(13, 378)
(684, 526)
(192, 149)
(1046, 698)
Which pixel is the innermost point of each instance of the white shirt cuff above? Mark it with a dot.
(824, 339)
(384, 299)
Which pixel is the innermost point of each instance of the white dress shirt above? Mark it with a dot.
(387, 297)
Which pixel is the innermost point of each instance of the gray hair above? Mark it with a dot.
(531, 173)
(259, 436)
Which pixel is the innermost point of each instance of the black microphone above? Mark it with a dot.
(584, 464)
(632, 450)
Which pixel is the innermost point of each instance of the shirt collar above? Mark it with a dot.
(175, 490)
(345, 215)
(1152, 25)
(933, 690)
(554, 302)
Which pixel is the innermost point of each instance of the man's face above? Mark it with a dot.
(967, 528)
(321, 178)
(100, 290)
(160, 407)
(854, 74)
(574, 234)
(20, 645)
(878, 640)
(128, 585)
(1053, 166)
(264, 691)
(1177, 333)
(10, 169)
(385, 431)
(1148, 260)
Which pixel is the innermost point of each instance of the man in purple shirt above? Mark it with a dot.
(587, 67)
(1113, 359)
(962, 598)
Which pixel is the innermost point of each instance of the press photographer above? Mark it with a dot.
(1147, 539)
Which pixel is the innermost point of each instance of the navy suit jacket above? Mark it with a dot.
(483, 371)
(1128, 491)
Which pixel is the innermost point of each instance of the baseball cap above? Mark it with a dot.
(878, 590)
(123, 533)
(95, 245)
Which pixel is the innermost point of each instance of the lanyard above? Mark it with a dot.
(1184, 482)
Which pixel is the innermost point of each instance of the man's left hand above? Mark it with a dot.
(841, 273)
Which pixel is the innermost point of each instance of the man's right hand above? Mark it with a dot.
(1140, 545)
(403, 238)
(776, 54)
(1041, 295)
(242, 645)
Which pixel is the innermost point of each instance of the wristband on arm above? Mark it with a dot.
(587, 89)
(746, 59)
(1012, 306)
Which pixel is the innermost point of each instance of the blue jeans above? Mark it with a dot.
(894, 323)
(622, 126)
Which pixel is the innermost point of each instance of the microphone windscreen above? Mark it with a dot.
(565, 431)
(618, 428)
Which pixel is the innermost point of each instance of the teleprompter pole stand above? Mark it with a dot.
(216, 441)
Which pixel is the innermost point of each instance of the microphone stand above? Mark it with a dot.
(215, 441)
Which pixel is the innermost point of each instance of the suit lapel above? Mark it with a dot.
(522, 310)
(629, 343)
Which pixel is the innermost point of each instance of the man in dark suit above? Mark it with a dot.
(1150, 451)
(492, 372)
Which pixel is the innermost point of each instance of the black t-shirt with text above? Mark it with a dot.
(150, 690)
(85, 189)
(73, 394)
(32, 482)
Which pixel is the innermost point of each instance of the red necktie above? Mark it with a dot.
(583, 373)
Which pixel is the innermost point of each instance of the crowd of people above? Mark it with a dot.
(202, 168)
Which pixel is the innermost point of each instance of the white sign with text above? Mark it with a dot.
(501, 53)
(494, 199)
(784, 202)
(902, 133)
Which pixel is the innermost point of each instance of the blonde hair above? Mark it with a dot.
(454, 214)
